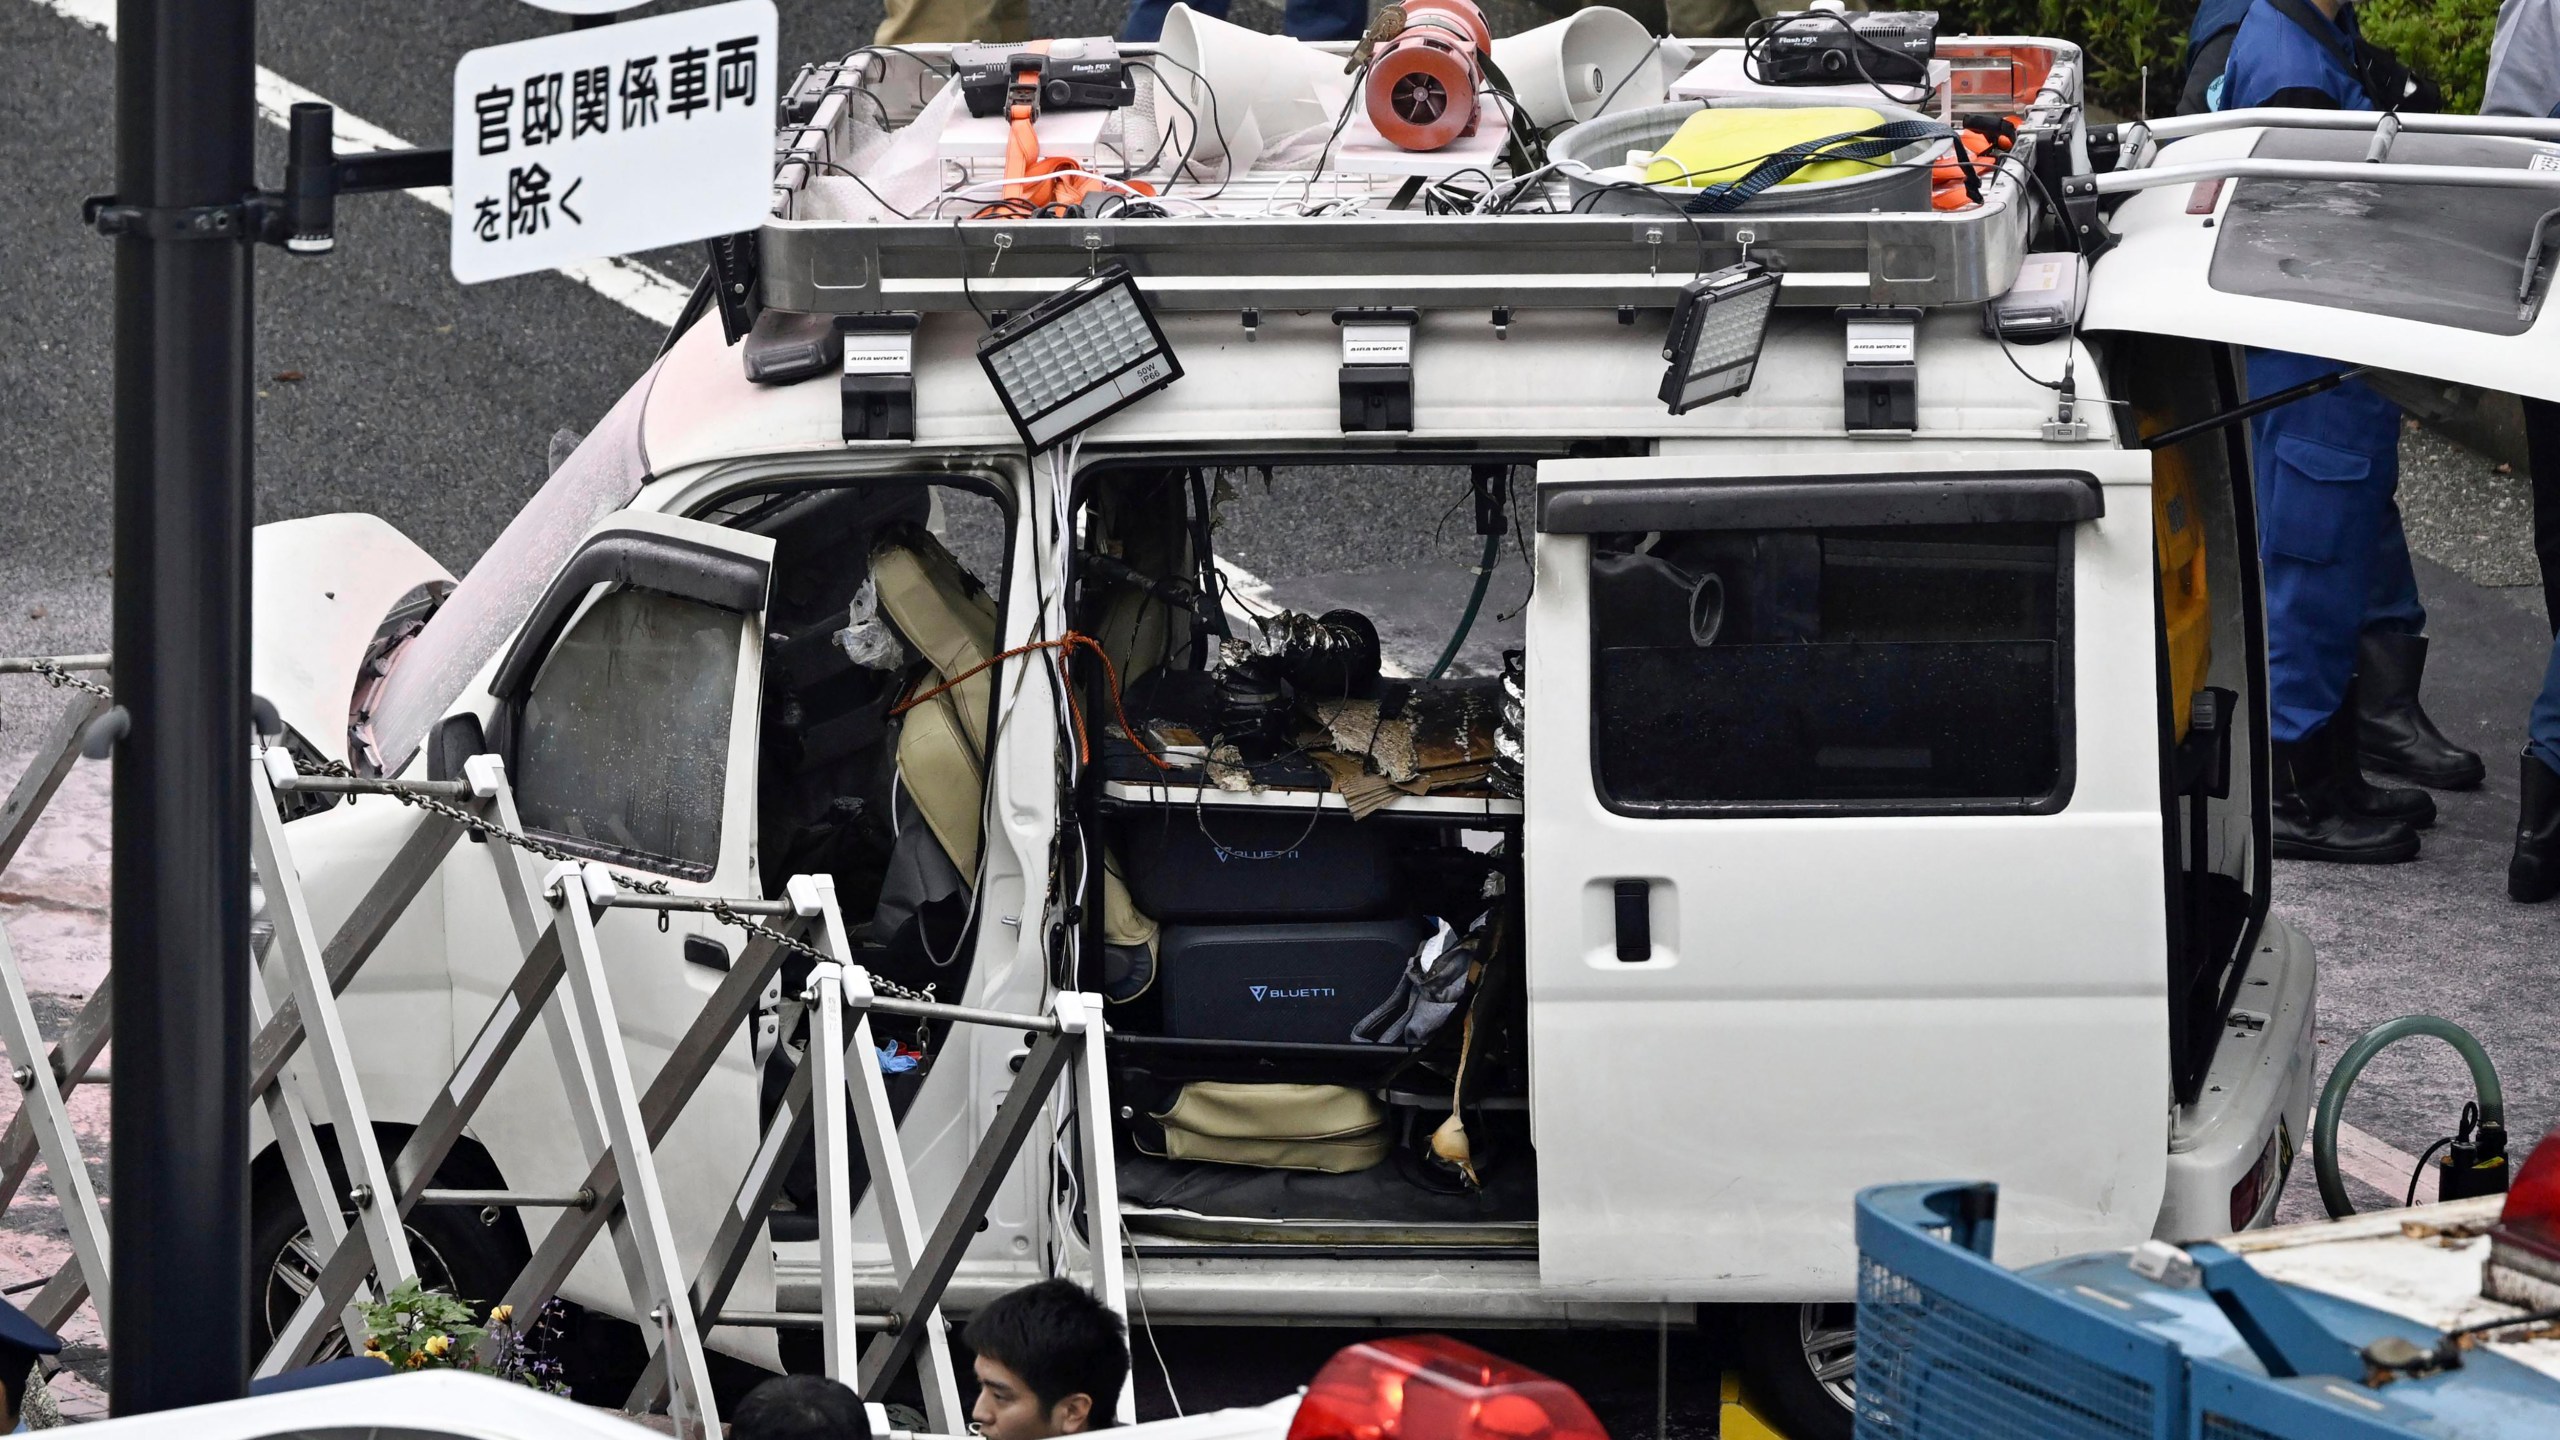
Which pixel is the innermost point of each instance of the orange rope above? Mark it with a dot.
(1066, 646)
(1036, 181)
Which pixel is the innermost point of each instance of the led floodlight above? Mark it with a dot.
(1083, 353)
(1714, 344)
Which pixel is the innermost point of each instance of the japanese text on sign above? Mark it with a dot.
(607, 140)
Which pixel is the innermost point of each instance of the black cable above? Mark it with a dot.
(1700, 231)
(2420, 1172)
(1341, 120)
(865, 184)
(965, 292)
(1611, 97)
(1217, 118)
(1757, 35)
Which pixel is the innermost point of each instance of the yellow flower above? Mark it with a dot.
(502, 1314)
(373, 1342)
(417, 1360)
(438, 1344)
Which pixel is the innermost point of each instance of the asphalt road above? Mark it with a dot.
(387, 387)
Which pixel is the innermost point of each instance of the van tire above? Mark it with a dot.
(453, 1250)
(1778, 1346)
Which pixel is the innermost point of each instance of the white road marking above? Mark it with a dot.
(2377, 1163)
(627, 283)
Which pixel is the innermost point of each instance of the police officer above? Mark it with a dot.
(2340, 589)
(2524, 79)
(22, 1342)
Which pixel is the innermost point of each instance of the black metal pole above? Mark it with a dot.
(184, 113)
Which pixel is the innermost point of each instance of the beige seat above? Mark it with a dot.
(942, 746)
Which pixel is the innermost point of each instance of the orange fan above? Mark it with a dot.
(1422, 88)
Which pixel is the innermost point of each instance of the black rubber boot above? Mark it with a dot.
(2309, 822)
(2393, 734)
(2361, 797)
(2533, 873)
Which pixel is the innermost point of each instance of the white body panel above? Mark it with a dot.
(2156, 282)
(325, 583)
(1837, 1001)
(1985, 999)
(447, 1403)
(2260, 1079)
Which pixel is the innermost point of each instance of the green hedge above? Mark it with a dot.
(2448, 39)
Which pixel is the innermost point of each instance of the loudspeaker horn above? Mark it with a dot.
(1253, 88)
(1574, 68)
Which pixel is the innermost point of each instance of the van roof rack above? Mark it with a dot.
(1317, 239)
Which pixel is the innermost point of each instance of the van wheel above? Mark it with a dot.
(454, 1252)
(1800, 1364)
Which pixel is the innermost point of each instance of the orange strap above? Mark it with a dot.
(1065, 181)
(1066, 645)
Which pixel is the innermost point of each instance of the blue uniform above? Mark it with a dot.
(1301, 20)
(2329, 533)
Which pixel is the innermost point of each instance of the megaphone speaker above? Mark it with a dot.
(1576, 67)
(1242, 85)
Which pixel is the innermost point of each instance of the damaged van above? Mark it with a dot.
(1859, 778)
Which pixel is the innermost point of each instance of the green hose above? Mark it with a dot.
(2333, 1096)
(1475, 602)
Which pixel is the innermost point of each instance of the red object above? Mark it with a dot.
(1422, 87)
(2532, 1211)
(1947, 190)
(1035, 183)
(1430, 1387)
(2524, 1246)
(2251, 1192)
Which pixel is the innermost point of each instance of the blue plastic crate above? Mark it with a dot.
(1952, 1347)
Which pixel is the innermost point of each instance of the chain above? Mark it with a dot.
(718, 909)
(59, 678)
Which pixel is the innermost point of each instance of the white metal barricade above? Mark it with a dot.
(836, 1097)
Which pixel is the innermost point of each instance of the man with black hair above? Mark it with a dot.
(1051, 1361)
(800, 1407)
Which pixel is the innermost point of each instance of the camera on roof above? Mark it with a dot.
(1828, 47)
(1075, 74)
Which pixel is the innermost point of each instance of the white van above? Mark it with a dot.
(1858, 804)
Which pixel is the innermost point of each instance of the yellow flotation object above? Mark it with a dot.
(1717, 146)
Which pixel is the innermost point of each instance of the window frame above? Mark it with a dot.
(2066, 723)
(748, 661)
(643, 555)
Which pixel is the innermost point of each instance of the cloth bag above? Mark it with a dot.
(1332, 1129)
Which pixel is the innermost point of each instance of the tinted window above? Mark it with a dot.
(1872, 669)
(622, 747)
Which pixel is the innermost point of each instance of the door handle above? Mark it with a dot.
(1635, 920)
(706, 952)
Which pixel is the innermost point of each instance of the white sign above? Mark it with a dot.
(618, 138)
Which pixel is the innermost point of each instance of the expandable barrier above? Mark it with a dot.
(836, 1096)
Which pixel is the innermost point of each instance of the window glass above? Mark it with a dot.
(622, 747)
(1880, 669)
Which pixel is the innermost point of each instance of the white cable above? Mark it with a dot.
(964, 192)
(1138, 1290)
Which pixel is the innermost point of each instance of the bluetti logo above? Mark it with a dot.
(1291, 992)
(1226, 853)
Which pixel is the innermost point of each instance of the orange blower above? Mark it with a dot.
(1424, 80)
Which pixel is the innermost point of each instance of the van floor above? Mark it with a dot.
(1395, 1191)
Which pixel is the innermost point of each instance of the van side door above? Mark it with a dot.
(626, 710)
(1844, 857)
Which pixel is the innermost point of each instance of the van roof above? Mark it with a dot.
(1277, 238)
